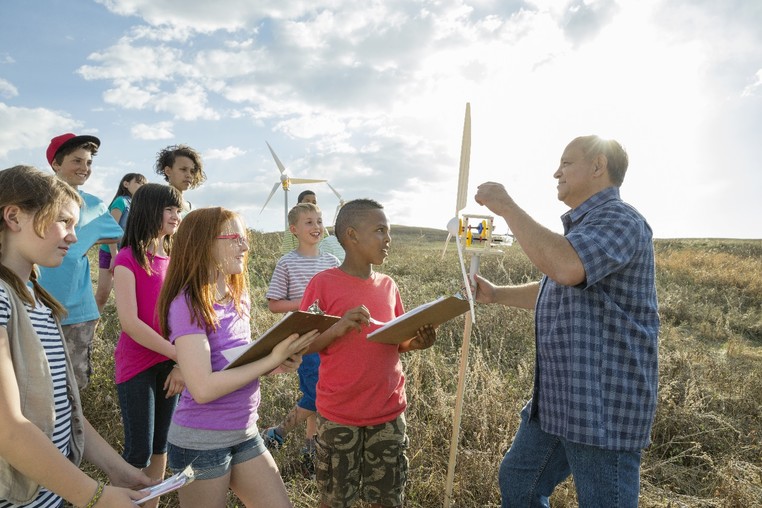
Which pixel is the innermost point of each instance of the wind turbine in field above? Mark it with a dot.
(286, 182)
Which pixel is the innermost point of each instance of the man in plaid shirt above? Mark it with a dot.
(596, 333)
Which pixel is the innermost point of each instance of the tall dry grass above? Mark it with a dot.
(707, 437)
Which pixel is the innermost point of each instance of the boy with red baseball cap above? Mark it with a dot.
(71, 158)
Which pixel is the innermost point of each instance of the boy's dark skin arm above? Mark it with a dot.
(424, 339)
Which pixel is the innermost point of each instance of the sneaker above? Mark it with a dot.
(307, 461)
(273, 440)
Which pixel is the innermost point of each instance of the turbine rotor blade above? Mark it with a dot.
(305, 180)
(334, 191)
(465, 162)
(449, 235)
(275, 188)
(278, 163)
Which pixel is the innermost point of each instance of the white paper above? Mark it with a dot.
(171, 484)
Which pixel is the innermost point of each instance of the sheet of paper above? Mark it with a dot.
(171, 484)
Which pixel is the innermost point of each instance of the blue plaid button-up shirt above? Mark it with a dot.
(596, 373)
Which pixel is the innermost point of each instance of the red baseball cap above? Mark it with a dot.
(67, 140)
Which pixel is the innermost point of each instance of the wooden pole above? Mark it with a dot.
(462, 371)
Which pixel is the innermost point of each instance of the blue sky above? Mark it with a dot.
(371, 95)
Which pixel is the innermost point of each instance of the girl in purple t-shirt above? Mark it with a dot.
(146, 382)
(204, 310)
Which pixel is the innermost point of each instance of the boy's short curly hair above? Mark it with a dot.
(167, 157)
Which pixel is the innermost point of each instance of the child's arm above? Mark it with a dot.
(205, 385)
(423, 339)
(127, 311)
(116, 213)
(108, 241)
(34, 455)
(283, 306)
(353, 319)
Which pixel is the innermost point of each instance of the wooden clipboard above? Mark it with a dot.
(433, 313)
(294, 322)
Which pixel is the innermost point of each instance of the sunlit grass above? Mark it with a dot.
(707, 438)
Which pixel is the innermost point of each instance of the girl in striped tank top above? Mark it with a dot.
(43, 431)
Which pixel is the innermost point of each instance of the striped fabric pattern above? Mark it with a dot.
(292, 273)
(45, 326)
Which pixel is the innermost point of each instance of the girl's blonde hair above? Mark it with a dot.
(43, 195)
(193, 270)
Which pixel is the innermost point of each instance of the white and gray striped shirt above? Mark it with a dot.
(293, 272)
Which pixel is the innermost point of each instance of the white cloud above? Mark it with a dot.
(187, 102)
(7, 89)
(128, 96)
(224, 154)
(31, 128)
(201, 15)
(755, 87)
(130, 62)
(160, 130)
(371, 96)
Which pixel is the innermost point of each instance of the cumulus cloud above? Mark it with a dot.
(31, 128)
(7, 89)
(584, 19)
(224, 154)
(160, 130)
(755, 87)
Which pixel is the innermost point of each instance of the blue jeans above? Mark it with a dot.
(537, 462)
(146, 414)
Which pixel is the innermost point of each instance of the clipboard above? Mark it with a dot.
(294, 322)
(434, 313)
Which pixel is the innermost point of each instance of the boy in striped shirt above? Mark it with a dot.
(290, 277)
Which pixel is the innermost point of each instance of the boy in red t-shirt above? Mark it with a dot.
(361, 439)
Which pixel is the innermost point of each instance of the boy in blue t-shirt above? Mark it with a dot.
(291, 275)
(71, 158)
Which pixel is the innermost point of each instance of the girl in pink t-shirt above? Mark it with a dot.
(204, 310)
(146, 382)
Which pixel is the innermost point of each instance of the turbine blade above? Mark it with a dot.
(278, 163)
(305, 180)
(334, 191)
(275, 187)
(465, 162)
(449, 235)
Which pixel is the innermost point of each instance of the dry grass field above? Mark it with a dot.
(707, 438)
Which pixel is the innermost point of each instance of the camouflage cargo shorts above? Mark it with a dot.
(366, 463)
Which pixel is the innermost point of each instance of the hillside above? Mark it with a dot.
(707, 438)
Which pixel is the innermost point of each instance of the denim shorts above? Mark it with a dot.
(210, 464)
(308, 378)
(146, 413)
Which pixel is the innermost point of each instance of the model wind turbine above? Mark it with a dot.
(286, 182)
(473, 234)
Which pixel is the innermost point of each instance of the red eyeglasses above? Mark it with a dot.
(239, 239)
